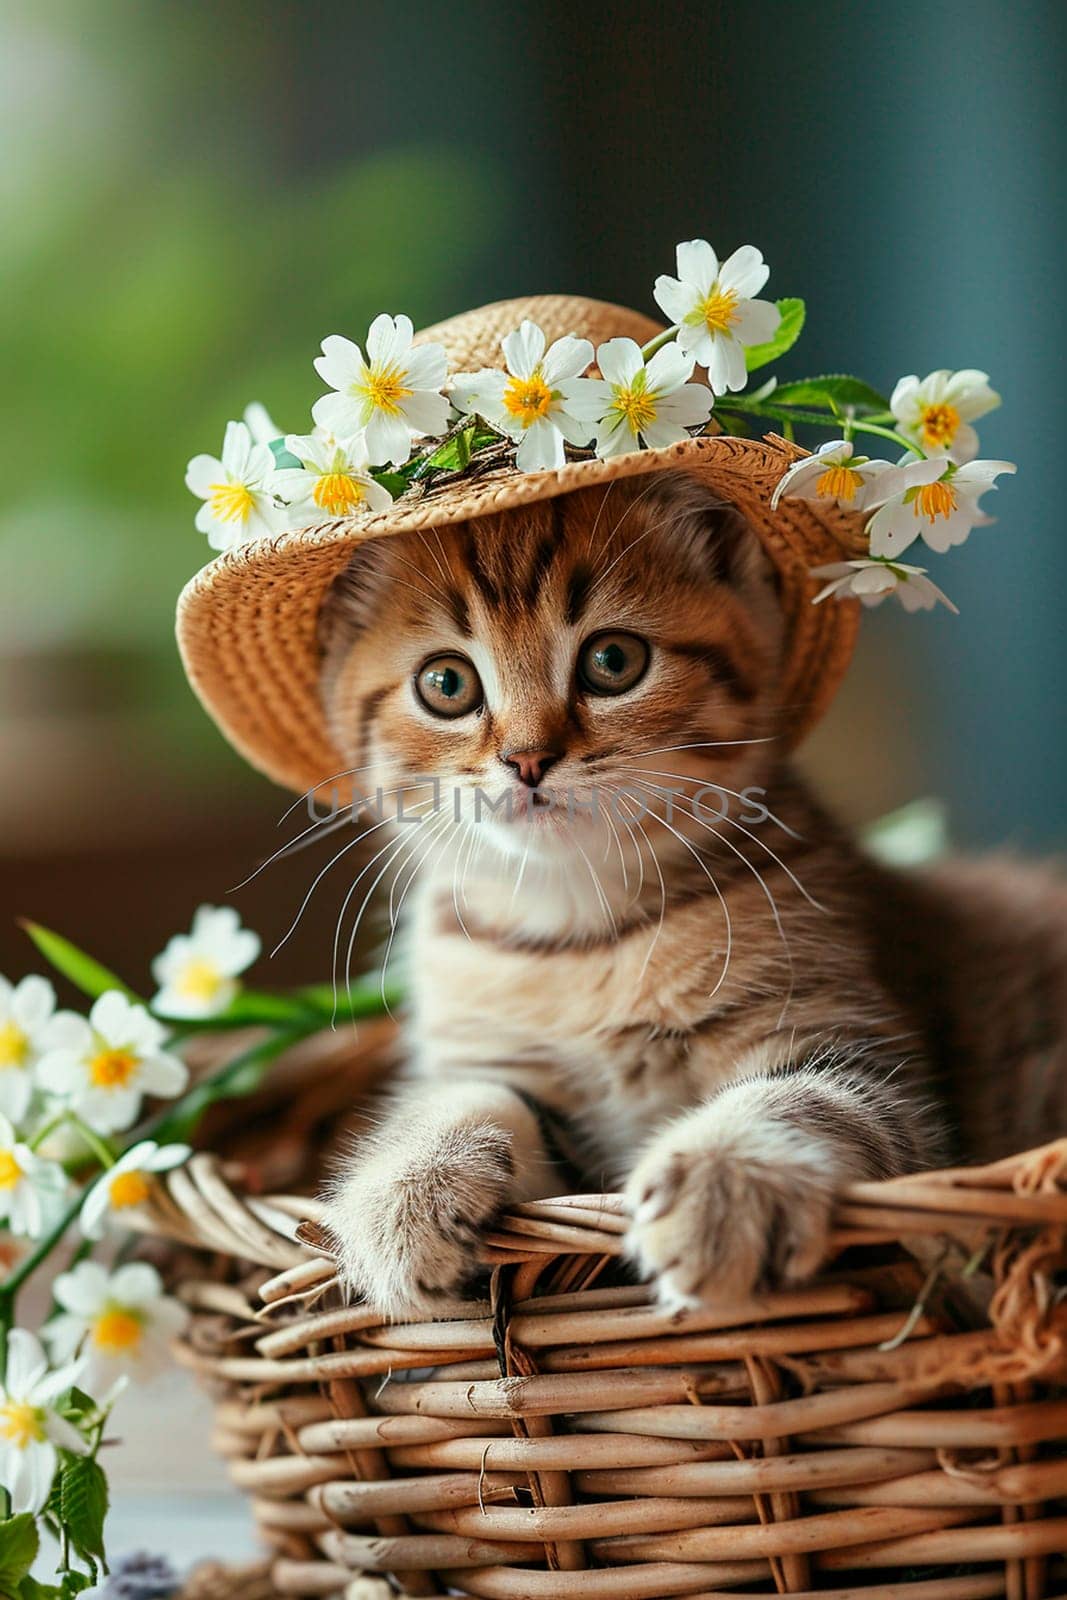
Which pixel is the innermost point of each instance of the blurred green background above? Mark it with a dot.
(194, 194)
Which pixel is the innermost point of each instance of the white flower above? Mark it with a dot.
(197, 972)
(122, 1323)
(128, 1184)
(936, 413)
(714, 309)
(835, 473)
(31, 1189)
(871, 581)
(632, 404)
(25, 1011)
(260, 424)
(30, 1429)
(389, 397)
(941, 509)
(529, 401)
(237, 491)
(103, 1066)
(334, 478)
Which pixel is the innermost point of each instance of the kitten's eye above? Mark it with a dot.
(611, 663)
(449, 686)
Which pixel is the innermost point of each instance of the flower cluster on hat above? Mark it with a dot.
(31, 1429)
(635, 403)
(333, 478)
(237, 490)
(716, 310)
(871, 581)
(120, 1322)
(529, 402)
(836, 472)
(936, 412)
(26, 1010)
(128, 1184)
(932, 501)
(197, 972)
(102, 1067)
(32, 1189)
(389, 397)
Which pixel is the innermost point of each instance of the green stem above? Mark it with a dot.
(817, 419)
(103, 1152)
(659, 341)
(48, 1129)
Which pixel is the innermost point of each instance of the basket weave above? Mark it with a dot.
(900, 1425)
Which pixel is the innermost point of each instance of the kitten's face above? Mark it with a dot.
(549, 657)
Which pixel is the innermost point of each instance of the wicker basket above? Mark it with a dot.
(898, 1428)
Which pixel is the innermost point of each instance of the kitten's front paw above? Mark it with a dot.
(406, 1225)
(720, 1221)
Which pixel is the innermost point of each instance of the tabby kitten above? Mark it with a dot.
(639, 946)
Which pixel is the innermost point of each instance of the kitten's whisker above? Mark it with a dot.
(318, 879)
(467, 826)
(394, 846)
(700, 744)
(637, 822)
(702, 864)
(347, 899)
(438, 833)
(335, 777)
(720, 788)
(601, 896)
(770, 901)
(522, 870)
(325, 826)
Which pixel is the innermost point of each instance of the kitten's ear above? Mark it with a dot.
(714, 534)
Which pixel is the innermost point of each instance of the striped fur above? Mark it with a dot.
(729, 1016)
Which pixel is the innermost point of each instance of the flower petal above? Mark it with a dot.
(523, 349)
(566, 358)
(745, 272)
(697, 264)
(619, 360)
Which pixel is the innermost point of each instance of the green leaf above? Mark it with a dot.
(19, 1543)
(395, 482)
(835, 390)
(758, 355)
(250, 1008)
(282, 456)
(363, 1000)
(30, 1589)
(83, 1498)
(76, 1405)
(83, 972)
(242, 1076)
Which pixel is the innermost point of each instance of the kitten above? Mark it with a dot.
(667, 965)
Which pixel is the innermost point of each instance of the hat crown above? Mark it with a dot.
(473, 339)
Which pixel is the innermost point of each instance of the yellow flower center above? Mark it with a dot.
(21, 1423)
(112, 1069)
(231, 502)
(117, 1330)
(719, 311)
(840, 483)
(10, 1171)
(337, 493)
(636, 406)
(384, 388)
(199, 980)
(940, 424)
(128, 1189)
(528, 399)
(14, 1045)
(935, 500)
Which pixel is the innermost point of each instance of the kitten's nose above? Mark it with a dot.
(531, 765)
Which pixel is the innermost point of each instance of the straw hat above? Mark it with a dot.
(247, 623)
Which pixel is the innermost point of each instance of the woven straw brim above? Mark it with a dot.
(248, 622)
